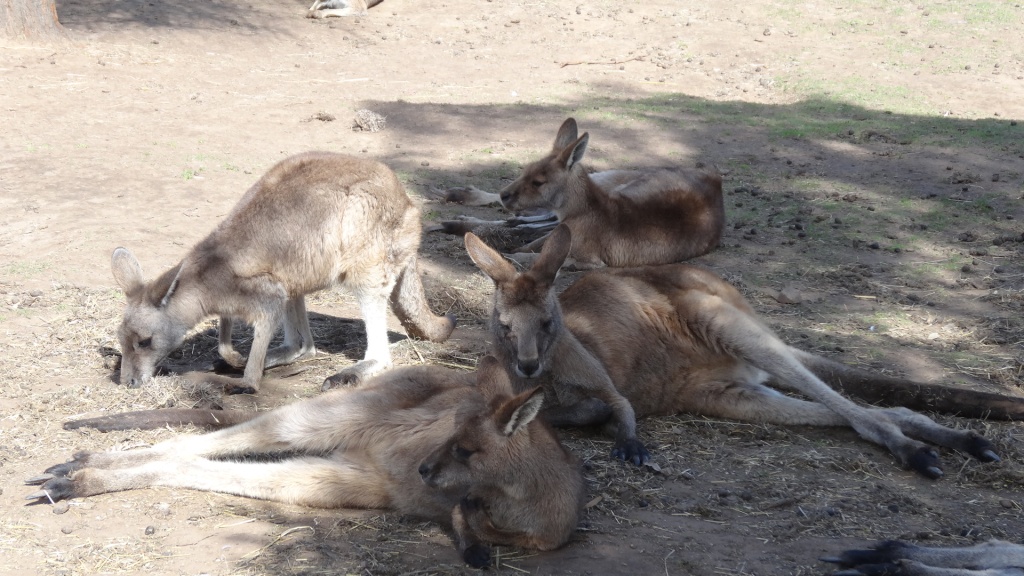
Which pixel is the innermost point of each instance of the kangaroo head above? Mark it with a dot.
(148, 332)
(526, 320)
(546, 182)
(486, 451)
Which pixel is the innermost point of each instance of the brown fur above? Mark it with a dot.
(666, 339)
(621, 217)
(313, 221)
(424, 441)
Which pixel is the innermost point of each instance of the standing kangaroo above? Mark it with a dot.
(313, 221)
(617, 217)
(666, 339)
(423, 440)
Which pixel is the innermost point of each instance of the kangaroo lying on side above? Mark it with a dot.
(424, 441)
(617, 217)
(666, 339)
(313, 221)
(339, 8)
(893, 558)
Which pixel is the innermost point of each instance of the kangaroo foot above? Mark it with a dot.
(631, 450)
(354, 375)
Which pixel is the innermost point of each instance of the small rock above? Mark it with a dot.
(874, 246)
(999, 269)
(150, 530)
(1006, 503)
(67, 529)
(965, 268)
(995, 177)
(789, 295)
(61, 507)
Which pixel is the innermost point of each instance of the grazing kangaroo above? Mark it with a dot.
(423, 440)
(313, 221)
(618, 217)
(339, 8)
(894, 558)
(664, 339)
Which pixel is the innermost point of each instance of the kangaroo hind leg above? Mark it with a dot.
(298, 338)
(741, 335)
(374, 306)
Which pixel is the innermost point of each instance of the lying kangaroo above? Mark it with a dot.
(894, 558)
(314, 220)
(617, 217)
(424, 441)
(667, 339)
(339, 8)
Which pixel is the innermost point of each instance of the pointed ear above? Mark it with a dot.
(489, 260)
(492, 378)
(127, 271)
(515, 413)
(552, 255)
(566, 134)
(171, 288)
(573, 153)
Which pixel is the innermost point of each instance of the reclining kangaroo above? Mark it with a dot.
(617, 217)
(423, 440)
(313, 221)
(665, 339)
(894, 558)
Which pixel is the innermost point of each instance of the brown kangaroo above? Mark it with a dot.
(665, 339)
(423, 440)
(894, 558)
(314, 220)
(339, 8)
(617, 217)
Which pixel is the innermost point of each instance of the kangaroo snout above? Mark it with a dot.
(528, 368)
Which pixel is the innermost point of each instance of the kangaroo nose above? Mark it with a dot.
(505, 195)
(424, 470)
(529, 368)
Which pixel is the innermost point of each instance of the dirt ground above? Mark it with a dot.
(874, 169)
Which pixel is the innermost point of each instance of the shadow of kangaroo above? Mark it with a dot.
(422, 440)
(617, 217)
(621, 343)
(313, 221)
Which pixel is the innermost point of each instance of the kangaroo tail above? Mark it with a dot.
(151, 419)
(887, 391)
(409, 303)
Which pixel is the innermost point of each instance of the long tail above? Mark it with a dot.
(877, 389)
(409, 304)
(151, 419)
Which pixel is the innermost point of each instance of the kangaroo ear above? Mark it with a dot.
(515, 413)
(573, 153)
(567, 134)
(127, 271)
(489, 260)
(492, 377)
(171, 289)
(553, 254)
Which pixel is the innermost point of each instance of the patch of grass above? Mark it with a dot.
(26, 269)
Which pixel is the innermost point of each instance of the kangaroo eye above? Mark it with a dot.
(461, 453)
(546, 325)
(538, 183)
(145, 343)
(505, 328)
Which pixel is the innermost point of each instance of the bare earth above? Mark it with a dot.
(874, 171)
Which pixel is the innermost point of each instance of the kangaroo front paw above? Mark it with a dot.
(354, 375)
(926, 462)
(981, 448)
(631, 450)
(477, 556)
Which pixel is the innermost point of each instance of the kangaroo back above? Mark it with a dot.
(622, 217)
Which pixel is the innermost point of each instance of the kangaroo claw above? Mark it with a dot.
(40, 479)
(926, 462)
(632, 451)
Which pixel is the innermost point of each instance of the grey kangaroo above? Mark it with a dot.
(894, 558)
(425, 441)
(617, 217)
(664, 339)
(313, 221)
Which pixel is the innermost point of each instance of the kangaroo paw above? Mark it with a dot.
(477, 556)
(354, 375)
(925, 461)
(54, 490)
(631, 450)
(981, 448)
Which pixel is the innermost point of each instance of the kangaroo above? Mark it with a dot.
(423, 440)
(339, 8)
(894, 558)
(621, 343)
(314, 220)
(618, 217)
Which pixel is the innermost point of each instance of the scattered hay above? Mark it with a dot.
(368, 121)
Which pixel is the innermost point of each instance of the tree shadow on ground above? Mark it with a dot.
(92, 14)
